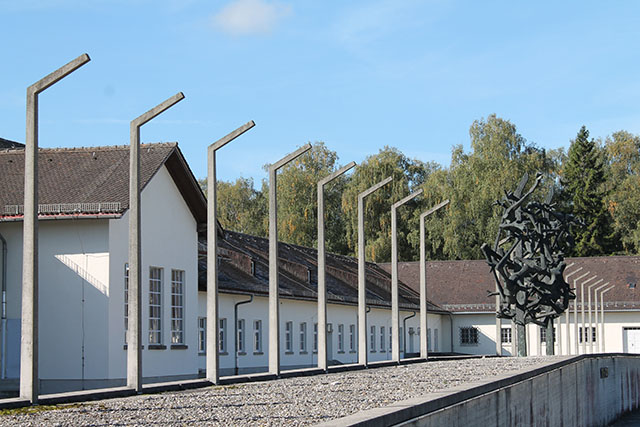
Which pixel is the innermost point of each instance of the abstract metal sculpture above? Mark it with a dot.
(527, 261)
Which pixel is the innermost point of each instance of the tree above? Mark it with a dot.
(297, 199)
(584, 191)
(241, 208)
(623, 186)
(408, 176)
(474, 181)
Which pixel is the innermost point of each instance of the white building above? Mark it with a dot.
(83, 251)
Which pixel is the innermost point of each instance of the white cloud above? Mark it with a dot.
(244, 17)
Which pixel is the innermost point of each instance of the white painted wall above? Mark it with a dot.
(298, 312)
(169, 241)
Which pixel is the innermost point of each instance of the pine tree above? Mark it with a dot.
(584, 195)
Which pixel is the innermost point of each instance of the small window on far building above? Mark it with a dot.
(303, 337)
(222, 336)
(469, 335)
(341, 337)
(505, 335)
(257, 336)
(315, 337)
(372, 338)
(240, 338)
(202, 335)
(352, 337)
(381, 338)
(288, 336)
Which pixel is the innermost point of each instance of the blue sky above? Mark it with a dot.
(358, 75)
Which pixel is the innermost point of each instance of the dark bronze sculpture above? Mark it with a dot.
(527, 261)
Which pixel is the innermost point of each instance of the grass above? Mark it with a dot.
(37, 408)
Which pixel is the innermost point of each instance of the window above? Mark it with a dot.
(177, 307)
(315, 337)
(429, 339)
(240, 338)
(373, 338)
(390, 336)
(222, 336)
(505, 335)
(381, 338)
(155, 305)
(401, 339)
(352, 337)
(257, 336)
(435, 339)
(202, 335)
(126, 301)
(288, 338)
(543, 335)
(341, 337)
(468, 335)
(411, 334)
(303, 337)
(580, 336)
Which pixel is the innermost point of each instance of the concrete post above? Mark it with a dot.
(603, 349)
(274, 303)
(213, 368)
(322, 286)
(590, 318)
(29, 333)
(395, 307)
(584, 326)
(134, 338)
(568, 311)
(424, 352)
(362, 287)
(575, 312)
(593, 347)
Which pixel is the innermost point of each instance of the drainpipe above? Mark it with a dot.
(404, 332)
(3, 364)
(451, 329)
(235, 331)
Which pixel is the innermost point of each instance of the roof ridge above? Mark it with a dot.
(97, 148)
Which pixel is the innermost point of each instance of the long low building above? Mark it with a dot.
(83, 290)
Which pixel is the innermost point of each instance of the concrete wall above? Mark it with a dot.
(299, 312)
(578, 391)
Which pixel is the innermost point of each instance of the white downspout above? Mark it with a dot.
(3, 363)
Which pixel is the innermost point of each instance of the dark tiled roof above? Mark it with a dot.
(464, 285)
(10, 145)
(299, 273)
(95, 175)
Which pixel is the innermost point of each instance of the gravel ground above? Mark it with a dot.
(292, 401)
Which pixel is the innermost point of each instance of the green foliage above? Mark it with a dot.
(584, 189)
(475, 180)
(408, 175)
(623, 187)
(241, 208)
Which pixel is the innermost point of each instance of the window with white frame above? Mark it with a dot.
(240, 338)
(372, 338)
(177, 307)
(315, 337)
(352, 337)
(126, 301)
(303, 337)
(381, 338)
(222, 335)
(468, 335)
(257, 336)
(288, 337)
(341, 337)
(505, 334)
(155, 305)
(202, 334)
(543, 335)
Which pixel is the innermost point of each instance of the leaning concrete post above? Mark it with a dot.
(575, 312)
(584, 326)
(213, 372)
(274, 304)
(592, 347)
(322, 286)
(395, 307)
(134, 338)
(589, 314)
(362, 287)
(424, 352)
(29, 339)
(602, 334)
(568, 312)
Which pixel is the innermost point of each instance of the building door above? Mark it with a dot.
(631, 338)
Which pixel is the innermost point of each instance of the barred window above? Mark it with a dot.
(155, 305)
(202, 334)
(177, 307)
(505, 334)
(257, 336)
(468, 335)
(303, 337)
(352, 337)
(543, 335)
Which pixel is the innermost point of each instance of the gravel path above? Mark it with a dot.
(292, 401)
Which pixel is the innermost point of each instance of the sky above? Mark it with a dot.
(357, 75)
